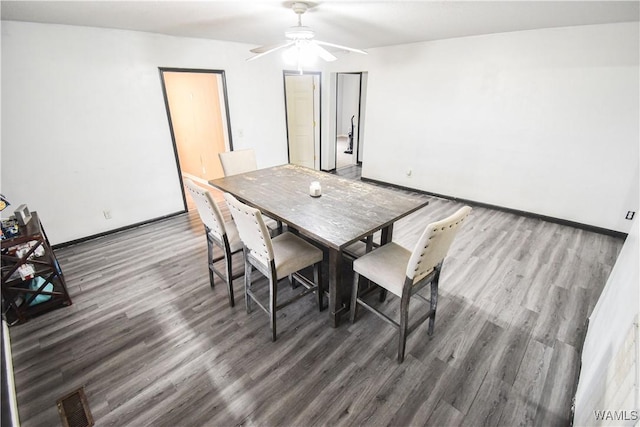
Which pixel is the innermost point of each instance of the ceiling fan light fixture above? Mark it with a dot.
(300, 48)
(299, 33)
(301, 54)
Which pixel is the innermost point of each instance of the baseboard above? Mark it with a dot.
(116, 230)
(600, 230)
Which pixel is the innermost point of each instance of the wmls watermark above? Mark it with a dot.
(620, 415)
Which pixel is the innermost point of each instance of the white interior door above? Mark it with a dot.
(301, 123)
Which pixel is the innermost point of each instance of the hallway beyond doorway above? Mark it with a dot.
(343, 159)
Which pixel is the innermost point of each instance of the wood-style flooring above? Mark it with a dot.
(153, 344)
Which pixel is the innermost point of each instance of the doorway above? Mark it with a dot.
(302, 104)
(349, 118)
(198, 114)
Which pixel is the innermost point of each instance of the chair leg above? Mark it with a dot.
(210, 259)
(383, 294)
(404, 320)
(317, 277)
(354, 296)
(272, 306)
(247, 284)
(229, 268)
(434, 302)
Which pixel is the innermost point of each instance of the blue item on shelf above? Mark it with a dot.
(34, 285)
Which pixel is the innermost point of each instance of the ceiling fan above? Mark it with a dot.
(300, 41)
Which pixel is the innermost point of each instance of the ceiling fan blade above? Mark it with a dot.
(350, 49)
(270, 49)
(322, 52)
(263, 49)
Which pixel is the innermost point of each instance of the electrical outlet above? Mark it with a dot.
(107, 214)
(630, 215)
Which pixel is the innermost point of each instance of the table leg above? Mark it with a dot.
(335, 289)
(386, 237)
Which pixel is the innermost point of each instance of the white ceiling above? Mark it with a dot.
(360, 24)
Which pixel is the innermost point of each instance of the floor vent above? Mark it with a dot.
(74, 410)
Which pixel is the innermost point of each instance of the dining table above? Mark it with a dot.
(345, 212)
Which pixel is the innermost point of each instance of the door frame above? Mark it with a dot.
(317, 141)
(161, 70)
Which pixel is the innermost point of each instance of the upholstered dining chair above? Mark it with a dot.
(283, 256)
(403, 273)
(238, 161)
(219, 233)
(241, 161)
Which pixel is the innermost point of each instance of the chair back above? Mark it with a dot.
(434, 244)
(238, 161)
(252, 230)
(207, 209)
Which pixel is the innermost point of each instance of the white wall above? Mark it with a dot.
(84, 126)
(544, 121)
(609, 374)
(328, 84)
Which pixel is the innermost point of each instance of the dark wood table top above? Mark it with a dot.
(347, 211)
